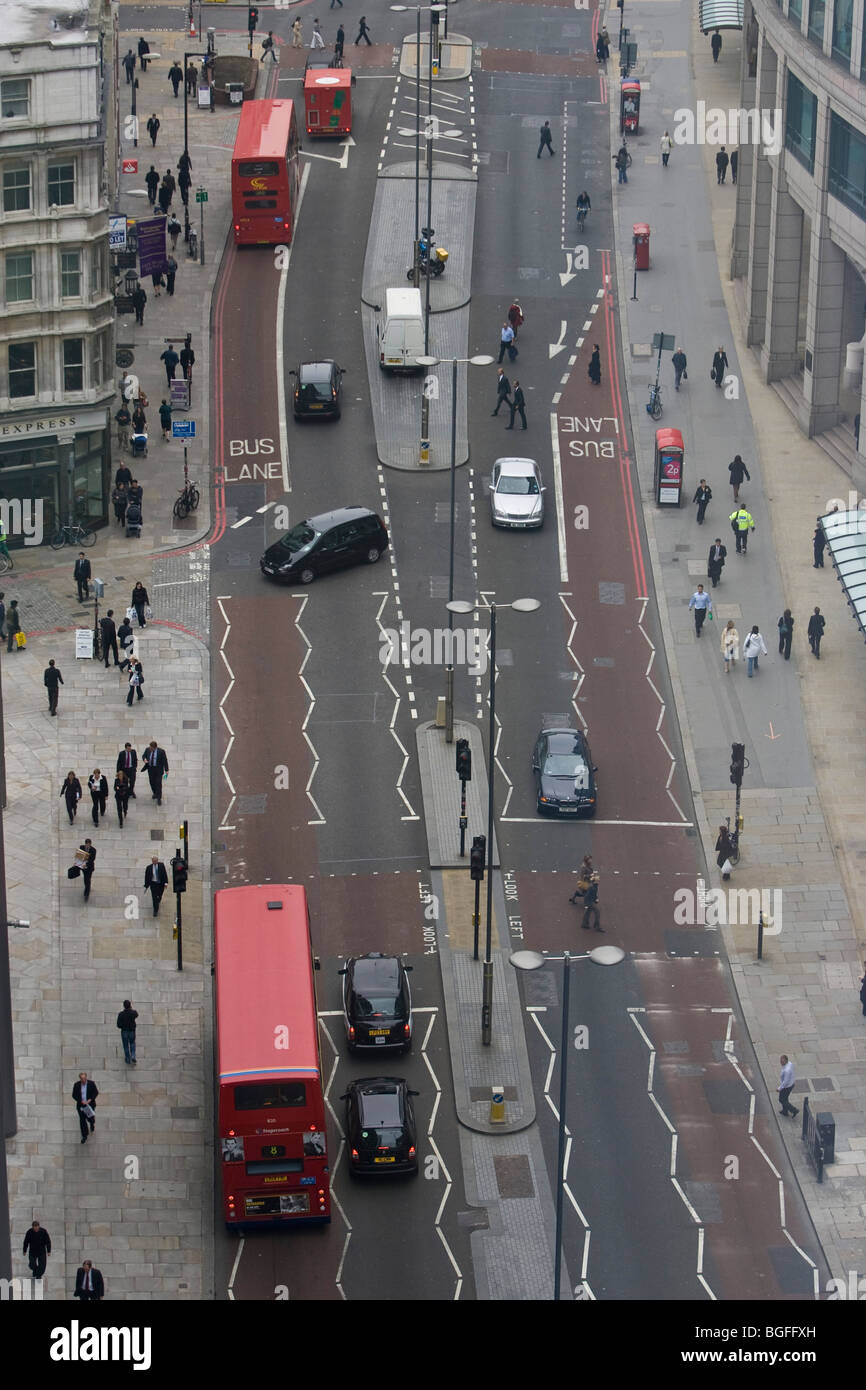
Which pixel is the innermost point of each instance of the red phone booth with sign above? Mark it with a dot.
(328, 101)
(669, 468)
(641, 233)
(629, 106)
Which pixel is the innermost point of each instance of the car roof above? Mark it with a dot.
(516, 467)
(325, 520)
(376, 968)
(561, 736)
(322, 367)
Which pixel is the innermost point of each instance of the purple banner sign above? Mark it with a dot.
(151, 245)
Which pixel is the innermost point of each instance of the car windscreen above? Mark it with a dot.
(567, 765)
(299, 539)
(522, 487)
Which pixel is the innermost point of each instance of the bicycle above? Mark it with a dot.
(734, 840)
(5, 559)
(654, 405)
(581, 217)
(187, 501)
(73, 533)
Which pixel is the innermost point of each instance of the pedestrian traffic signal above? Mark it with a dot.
(477, 857)
(178, 875)
(252, 18)
(738, 763)
(464, 760)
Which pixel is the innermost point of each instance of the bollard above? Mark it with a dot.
(497, 1105)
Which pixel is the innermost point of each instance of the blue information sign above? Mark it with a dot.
(183, 429)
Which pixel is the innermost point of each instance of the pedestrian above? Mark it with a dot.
(151, 178)
(164, 200)
(506, 342)
(730, 645)
(599, 49)
(863, 990)
(720, 366)
(139, 602)
(173, 228)
(191, 79)
(722, 162)
(153, 128)
(129, 65)
(124, 420)
(98, 787)
(135, 492)
(545, 139)
(88, 850)
(127, 763)
(665, 147)
(590, 905)
(156, 763)
(679, 363)
(84, 1093)
(819, 545)
(735, 159)
(89, 1283)
(71, 793)
(363, 31)
(716, 45)
(724, 852)
(52, 680)
(786, 632)
(175, 75)
(515, 317)
(143, 51)
(815, 632)
(165, 418)
(38, 1242)
(297, 33)
(518, 405)
(126, 641)
(171, 359)
(139, 420)
(738, 471)
(81, 575)
(187, 360)
(786, 1086)
(184, 181)
(503, 391)
(339, 41)
(701, 602)
(13, 627)
(584, 875)
(317, 41)
(268, 45)
(123, 476)
(121, 796)
(741, 523)
(620, 160)
(753, 647)
(156, 879)
(119, 499)
(136, 681)
(139, 300)
(605, 36)
(108, 629)
(703, 496)
(170, 272)
(184, 164)
(126, 1023)
(593, 371)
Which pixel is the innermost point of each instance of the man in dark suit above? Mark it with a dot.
(156, 879)
(84, 1092)
(38, 1242)
(716, 560)
(127, 761)
(87, 871)
(157, 767)
(109, 637)
(81, 575)
(89, 1283)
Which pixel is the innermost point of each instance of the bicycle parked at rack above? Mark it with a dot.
(654, 405)
(187, 501)
(73, 533)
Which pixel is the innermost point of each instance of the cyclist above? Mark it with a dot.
(4, 549)
(583, 207)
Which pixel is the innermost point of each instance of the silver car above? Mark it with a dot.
(516, 494)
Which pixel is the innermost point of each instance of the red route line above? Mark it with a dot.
(625, 463)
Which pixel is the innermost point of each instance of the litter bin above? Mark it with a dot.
(641, 233)
(236, 93)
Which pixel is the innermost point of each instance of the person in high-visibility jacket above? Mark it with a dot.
(741, 524)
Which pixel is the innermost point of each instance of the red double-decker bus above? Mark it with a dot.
(266, 174)
(270, 1104)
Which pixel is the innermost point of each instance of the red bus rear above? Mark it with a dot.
(270, 1103)
(328, 101)
(266, 174)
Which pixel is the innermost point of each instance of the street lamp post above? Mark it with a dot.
(416, 273)
(522, 605)
(186, 136)
(534, 960)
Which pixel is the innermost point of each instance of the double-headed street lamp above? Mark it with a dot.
(481, 360)
(522, 605)
(534, 960)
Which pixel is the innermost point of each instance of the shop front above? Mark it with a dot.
(53, 468)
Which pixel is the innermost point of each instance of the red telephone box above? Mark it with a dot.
(629, 106)
(669, 467)
(641, 233)
(328, 101)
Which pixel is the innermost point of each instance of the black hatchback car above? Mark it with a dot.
(349, 536)
(380, 1126)
(377, 1003)
(564, 773)
(318, 386)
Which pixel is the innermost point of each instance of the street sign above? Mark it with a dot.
(179, 394)
(84, 643)
(116, 232)
(183, 429)
(664, 342)
(129, 166)
(201, 195)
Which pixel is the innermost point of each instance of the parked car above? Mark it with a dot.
(380, 1126)
(516, 494)
(564, 773)
(377, 1002)
(318, 386)
(332, 541)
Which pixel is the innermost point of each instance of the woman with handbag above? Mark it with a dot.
(136, 681)
(139, 602)
(71, 791)
(730, 644)
(786, 632)
(724, 850)
(121, 795)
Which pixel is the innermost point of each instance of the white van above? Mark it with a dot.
(401, 331)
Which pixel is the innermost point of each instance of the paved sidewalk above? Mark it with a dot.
(802, 721)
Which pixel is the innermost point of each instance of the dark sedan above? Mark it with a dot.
(318, 386)
(564, 774)
(377, 1004)
(380, 1126)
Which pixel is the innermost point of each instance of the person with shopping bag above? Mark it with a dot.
(730, 644)
(140, 604)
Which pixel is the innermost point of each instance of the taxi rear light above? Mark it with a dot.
(411, 1150)
(351, 1032)
(354, 1155)
(405, 1030)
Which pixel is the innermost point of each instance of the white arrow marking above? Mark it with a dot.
(559, 346)
(569, 273)
(343, 161)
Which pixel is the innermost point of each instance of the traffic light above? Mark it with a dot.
(476, 858)
(738, 763)
(464, 760)
(252, 18)
(179, 873)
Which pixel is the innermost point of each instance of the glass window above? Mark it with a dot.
(817, 10)
(98, 349)
(22, 369)
(73, 364)
(863, 54)
(61, 184)
(19, 277)
(15, 96)
(843, 22)
(801, 115)
(97, 269)
(270, 1095)
(795, 11)
(70, 274)
(16, 189)
(847, 180)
